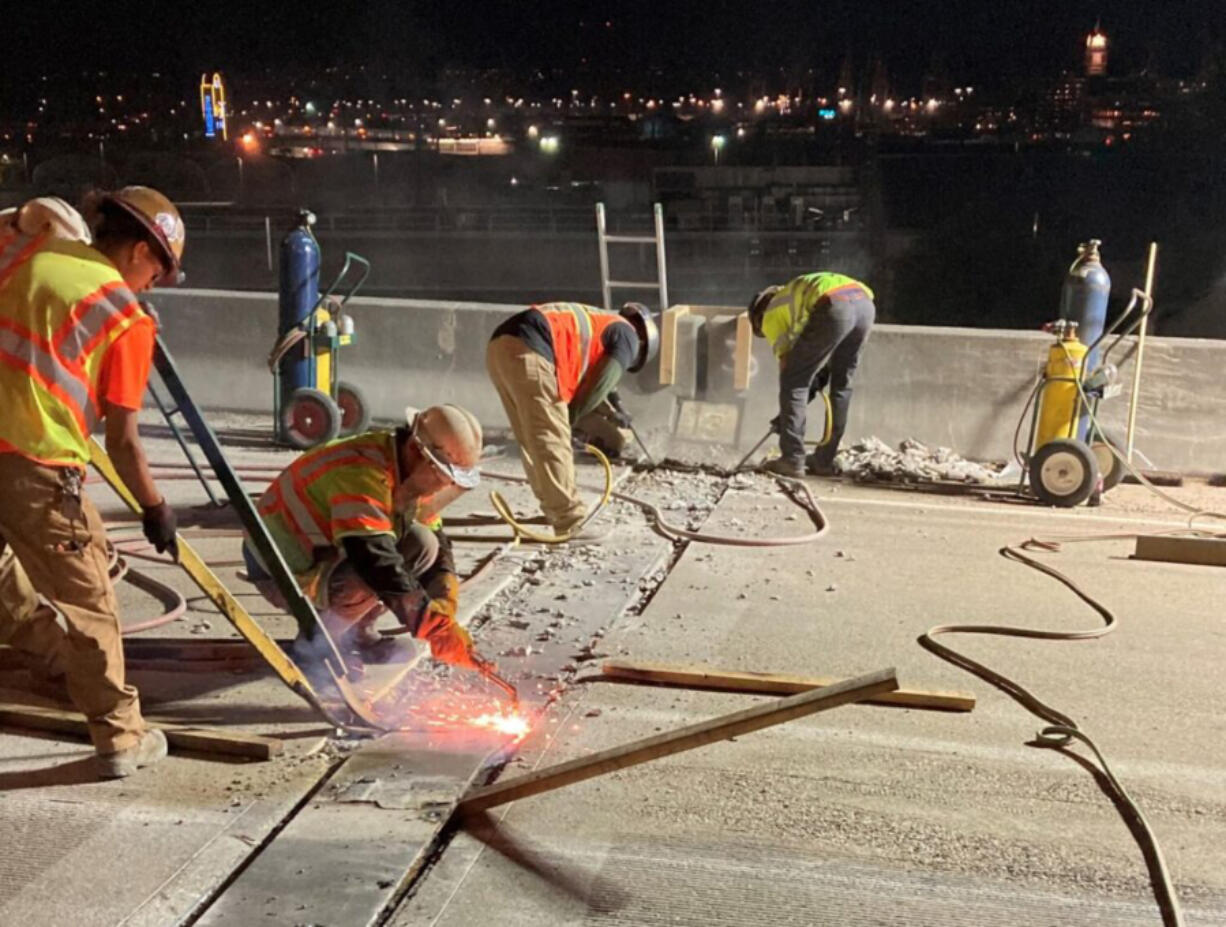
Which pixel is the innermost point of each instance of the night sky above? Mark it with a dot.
(994, 44)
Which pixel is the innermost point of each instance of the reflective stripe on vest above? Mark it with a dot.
(15, 250)
(19, 350)
(62, 305)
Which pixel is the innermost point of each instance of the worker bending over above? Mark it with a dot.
(76, 348)
(817, 325)
(346, 516)
(552, 365)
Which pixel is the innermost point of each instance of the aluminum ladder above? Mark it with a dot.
(607, 285)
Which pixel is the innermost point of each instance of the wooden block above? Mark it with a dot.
(200, 740)
(668, 343)
(773, 684)
(743, 358)
(1174, 549)
(686, 738)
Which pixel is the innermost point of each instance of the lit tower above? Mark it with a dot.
(1096, 52)
(213, 106)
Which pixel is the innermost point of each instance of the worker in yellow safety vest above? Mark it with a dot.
(817, 325)
(557, 366)
(76, 348)
(348, 519)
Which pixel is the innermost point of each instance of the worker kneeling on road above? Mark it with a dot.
(817, 325)
(557, 365)
(76, 347)
(344, 517)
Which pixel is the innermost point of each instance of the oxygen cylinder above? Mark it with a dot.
(1060, 400)
(298, 294)
(1083, 299)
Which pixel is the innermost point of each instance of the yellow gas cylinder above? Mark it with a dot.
(323, 350)
(1060, 402)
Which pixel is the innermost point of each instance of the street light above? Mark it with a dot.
(717, 145)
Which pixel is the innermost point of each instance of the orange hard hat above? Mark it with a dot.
(160, 218)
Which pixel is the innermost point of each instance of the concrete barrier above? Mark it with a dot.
(961, 388)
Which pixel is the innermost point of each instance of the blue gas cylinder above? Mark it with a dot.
(298, 295)
(1083, 299)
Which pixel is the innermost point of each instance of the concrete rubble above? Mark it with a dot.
(872, 460)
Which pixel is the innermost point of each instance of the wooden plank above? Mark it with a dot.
(686, 738)
(668, 343)
(743, 356)
(195, 739)
(1173, 549)
(668, 674)
(188, 649)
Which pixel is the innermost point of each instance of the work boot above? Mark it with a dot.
(122, 763)
(373, 647)
(589, 535)
(816, 467)
(781, 466)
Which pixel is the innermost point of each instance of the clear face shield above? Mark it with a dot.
(464, 477)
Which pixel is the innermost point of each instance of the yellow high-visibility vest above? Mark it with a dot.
(789, 310)
(62, 306)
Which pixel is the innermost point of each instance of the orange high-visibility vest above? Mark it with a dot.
(341, 489)
(576, 331)
(62, 306)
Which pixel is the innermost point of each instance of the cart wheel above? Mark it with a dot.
(1110, 466)
(355, 411)
(1064, 472)
(310, 418)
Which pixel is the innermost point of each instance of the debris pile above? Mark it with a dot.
(873, 460)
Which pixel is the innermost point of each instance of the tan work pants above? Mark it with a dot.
(58, 549)
(527, 384)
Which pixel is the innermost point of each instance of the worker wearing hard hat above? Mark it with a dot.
(76, 347)
(552, 365)
(348, 519)
(817, 325)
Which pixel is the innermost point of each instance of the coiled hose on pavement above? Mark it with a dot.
(1060, 728)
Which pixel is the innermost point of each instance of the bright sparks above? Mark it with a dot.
(511, 725)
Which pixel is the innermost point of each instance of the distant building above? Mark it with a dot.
(1062, 108)
(1096, 53)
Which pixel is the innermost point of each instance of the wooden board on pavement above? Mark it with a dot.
(1202, 551)
(196, 739)
(701, 677)
(686, 738)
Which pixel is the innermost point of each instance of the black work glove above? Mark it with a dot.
(620, 415)
(774, 425)
(820, 382)
(159, 524)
